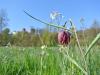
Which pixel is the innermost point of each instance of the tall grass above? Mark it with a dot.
(51, 61)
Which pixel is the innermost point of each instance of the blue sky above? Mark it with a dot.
(74, 9)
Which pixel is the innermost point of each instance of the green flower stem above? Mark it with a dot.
(76, 36)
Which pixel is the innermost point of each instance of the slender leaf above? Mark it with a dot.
(46, 22)
(92, 44)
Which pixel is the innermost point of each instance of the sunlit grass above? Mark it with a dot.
(49, 61)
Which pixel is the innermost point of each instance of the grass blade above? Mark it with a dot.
(92, 44)
(75, 63)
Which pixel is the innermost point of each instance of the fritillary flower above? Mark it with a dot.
(64, 37)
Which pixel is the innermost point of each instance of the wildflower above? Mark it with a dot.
(43, 47)
(55, 16)
(64, 37)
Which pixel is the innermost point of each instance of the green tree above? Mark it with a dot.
(5, 36)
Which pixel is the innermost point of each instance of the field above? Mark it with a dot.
(49, 37)
(48, 61)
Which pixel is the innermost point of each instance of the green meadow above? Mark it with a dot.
(48, 61)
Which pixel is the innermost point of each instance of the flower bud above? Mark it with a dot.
(64, 37)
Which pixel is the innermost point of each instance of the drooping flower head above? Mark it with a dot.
(64, 37)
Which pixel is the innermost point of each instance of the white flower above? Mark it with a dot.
(43, 46)
(55, 14)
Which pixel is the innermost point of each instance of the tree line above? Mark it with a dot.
(38, 37)
(45, 36)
